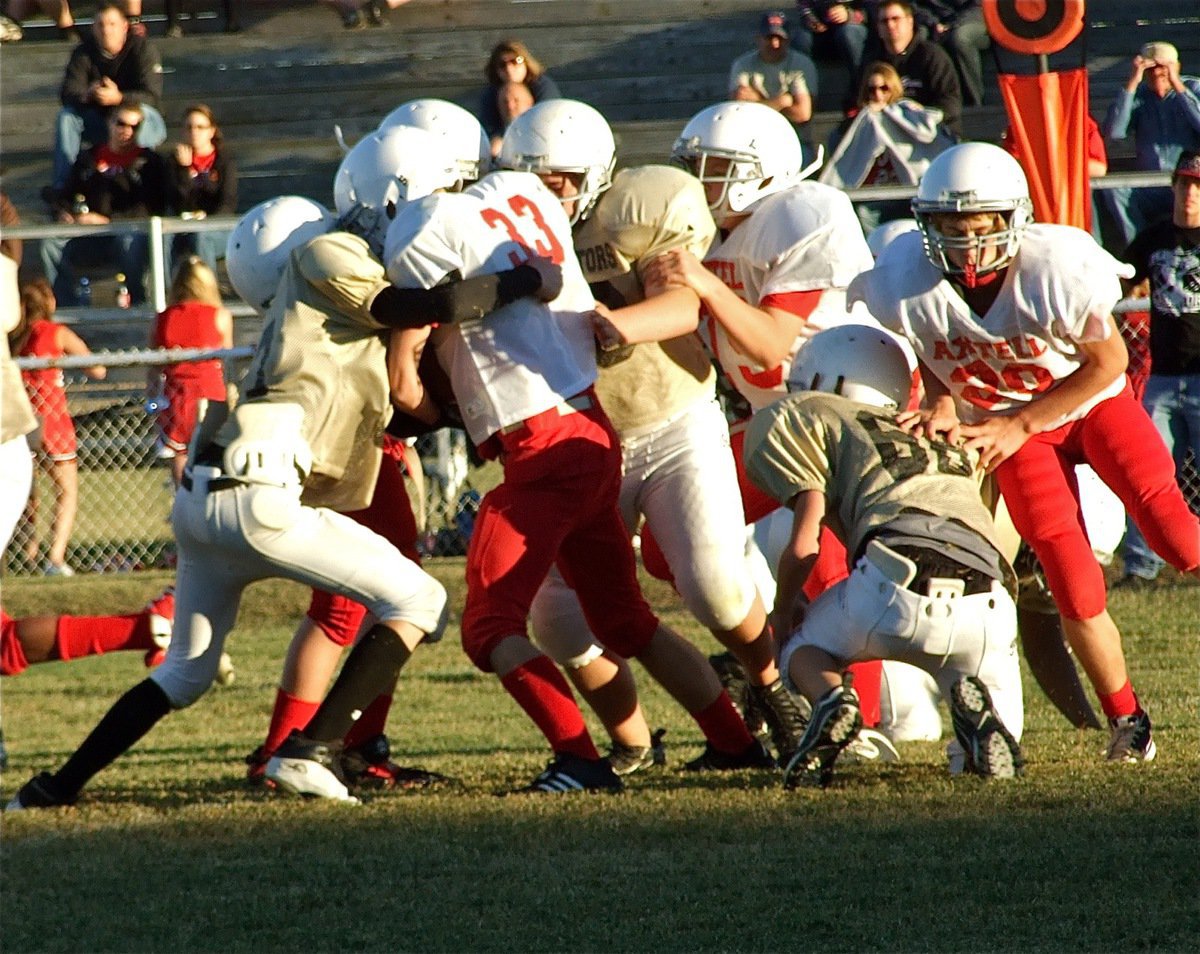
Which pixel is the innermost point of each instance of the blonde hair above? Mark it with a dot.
(37, 302)
(894, 84)
(194, 281)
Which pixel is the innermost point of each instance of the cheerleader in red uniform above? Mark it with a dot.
(38, 335)
(194, 319)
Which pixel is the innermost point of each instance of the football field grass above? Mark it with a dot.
(168, 850)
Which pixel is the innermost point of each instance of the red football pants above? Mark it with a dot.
(1119, 441)
(556, 506)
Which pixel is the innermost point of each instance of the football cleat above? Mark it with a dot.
(160, 616)
(369, 765)
(870, 745)
(1131, 740)
(991, 750)
(256, 768)
(836, 720)
(571, 773)
(737, 686)
(303, 766)
(785, 717)
(41, 791)
(627, 759)
(754, 756)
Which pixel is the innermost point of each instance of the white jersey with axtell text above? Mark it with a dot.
(1057, 294)
(803, 239)
(526, 357)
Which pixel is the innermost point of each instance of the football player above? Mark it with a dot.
(929, 586)
(788, 248)
(264, 495)
(661, 398)
(523, 380)
(1012, 323)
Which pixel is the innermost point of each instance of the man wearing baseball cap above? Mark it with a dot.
(1161, 109)
(776, 75)
(1168, 253)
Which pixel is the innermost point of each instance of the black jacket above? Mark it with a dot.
(213, 194)
(133, 193)
(136, 69)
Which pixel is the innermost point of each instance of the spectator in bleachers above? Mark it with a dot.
(203, 182)
(57, 10)
(117, 179)
(172, 8)
(109, 69)
(38, 335)
(925, 68)
(1168, 254)
(776, 75)
(512, 99)
(890, 139)
(959, 27)
(832, 29)
(195, 318)
(511, 62)
(1161, 109)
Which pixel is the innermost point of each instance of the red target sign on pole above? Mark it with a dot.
(1034, 27)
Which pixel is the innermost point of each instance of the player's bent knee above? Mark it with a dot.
(719, 602)
(423, 603)
(182, 687)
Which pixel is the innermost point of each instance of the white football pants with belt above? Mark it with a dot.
(680, 475)
(870, 616)
(231, 538)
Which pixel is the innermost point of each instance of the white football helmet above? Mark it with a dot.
(884, 235)
(392, 166)
(973, 177)
(259, 245)
(563, 135)
(864, 364)
(764, 156)
(461, 131)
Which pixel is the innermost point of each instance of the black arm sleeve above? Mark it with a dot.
(460, 299)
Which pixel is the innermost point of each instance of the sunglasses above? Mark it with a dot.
(512, 60)
(877, 89)
(126, 124)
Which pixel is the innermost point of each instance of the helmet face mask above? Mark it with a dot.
(563, 136)
(742, 152)
(960, 190)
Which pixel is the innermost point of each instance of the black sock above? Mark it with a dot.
(130, 718)
(372, 667)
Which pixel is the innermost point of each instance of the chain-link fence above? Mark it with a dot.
(125, 488)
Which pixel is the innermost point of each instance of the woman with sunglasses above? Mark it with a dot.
(511, 62)
(888, 139)
(204, 182)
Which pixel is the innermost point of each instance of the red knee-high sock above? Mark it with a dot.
(79, 636)
(867, 678)
(723, 727)
(1123, 702)
(540, 689)
(290, 713)
(371, 722)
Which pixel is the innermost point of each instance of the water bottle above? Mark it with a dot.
(79, 206)
(83, 293)
(124, 300)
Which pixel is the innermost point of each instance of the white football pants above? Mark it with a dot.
(231, 538)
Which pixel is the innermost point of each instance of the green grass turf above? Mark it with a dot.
(169, 851)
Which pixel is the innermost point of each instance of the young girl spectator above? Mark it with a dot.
(194, 318)
(511, 62)
(38, 335)
(203, 183)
